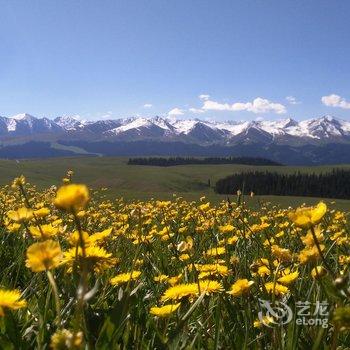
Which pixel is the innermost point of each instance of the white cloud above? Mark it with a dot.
(196, 110)
(147, 105)
(292, 100)
(77, 117)
(258, 105)
(175, 111)
(204, 97)
(334, 100)
(107, 115)
(216, 106)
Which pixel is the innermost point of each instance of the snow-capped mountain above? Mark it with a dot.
(287, 131)
(69, 123)
(25, 124)
(324, 140)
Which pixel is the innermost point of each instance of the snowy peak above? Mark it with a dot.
(286, 131)
(23, 116)
(68, 122)
(25, 124)
(325, 127)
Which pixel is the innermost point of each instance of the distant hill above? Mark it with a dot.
(173, 161)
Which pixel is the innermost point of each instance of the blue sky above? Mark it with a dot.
(106, 59)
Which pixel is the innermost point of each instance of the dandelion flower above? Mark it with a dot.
(310, 254)
(308, 217)
(164, 310)
(309, 240)
(161, 278)
(209, 287)
(288, 278)
(22, 214)
(45, 231)
(211, 269)
(19, 181)
(96, 258)
(174, 279)
(100, 236)
(266, 320)
(318, 272)
(215, 251)
(180, 291)
(240, 287)
(191, 289)
(226, 228)
(11, 299)
(65, 339)
(72, 197)
(125, 277)
(276, 288)
(43, 256)
(74, 238)
(282, 254)
(42, 212)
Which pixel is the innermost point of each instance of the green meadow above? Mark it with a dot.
(145, 182)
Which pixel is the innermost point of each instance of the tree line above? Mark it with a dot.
(171, 161)
(334, 184)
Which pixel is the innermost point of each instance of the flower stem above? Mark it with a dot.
(55, 293)
(320, 252)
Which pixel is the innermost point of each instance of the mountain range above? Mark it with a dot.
(314, 141)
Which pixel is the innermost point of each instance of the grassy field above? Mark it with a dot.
(108, 274)
(145, 182)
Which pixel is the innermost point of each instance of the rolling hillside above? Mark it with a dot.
(143, 182)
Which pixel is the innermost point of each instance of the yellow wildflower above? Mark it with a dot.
(65, 339)
(309, 254)
(282, 254)
(19, 181)
(215, 251)
(43, 256)
(174, 279)
(13, 227)
(184, 257)
(100, 236)
(72, 197)
(204, 207)
(45, 231)
(308, 239)
(191, 289)
(74, 238)
(288, 278)
(208, 286)
(22, 214)
(161, 278)
(308, 217)
(276, 288)
(11, 299)
(265, 321)
(318, 272)
(42, 212)
(96, 258)
(240, 287)
(125, 277)
(164, 310)
(226, 228)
